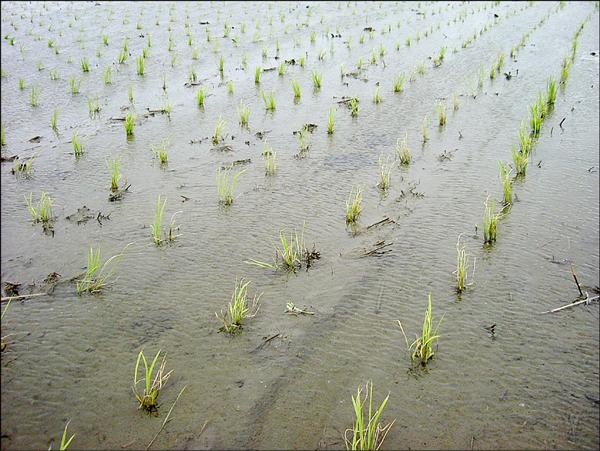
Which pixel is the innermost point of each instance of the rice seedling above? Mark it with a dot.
(54, 120)
(257, 74)
(408, 41)
(399, 83)
(226, 185)
(173, 59)
(302, 61)
(200, 96)
(108, 75)
(34, 97)
(422, 347)
(439, 58)
(520, 159)
(64, 442)
(219, 129)
(281, 70)
(481, 77)
(462, 266)
(564, 72)
(221, 64)
(493, 71)
(385, 170)
(105, 39)
(240, 308)
(115, 174)
(373, 57)
(269, 100)
(354, 205)
(425, 129)
(313, 37)
(441, 107)
(270, 159)
(42, 210)
(244, 113)
(490, 221)
(130, 92)
(525, 139)
(552, 89)
(74, 85)
(25, 167)
(506, 181)
(78, 146)
(2, 136)
(421, 68)
(402, 151)
(455, 102)
(160, 152)
(21, 84)
(85, 65)
(535, 120)
(303, 140)
(230, 87)
(542, 103)
(123, 55)
(141, 63)
(153, 379)
(500, 62)
(296, 88)
(367, 433)
(331, 121)
(354, 106)
(316, 79)
(129, 123)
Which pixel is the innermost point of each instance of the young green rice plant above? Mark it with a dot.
(493, 71)
(153, 379)
(462, 266)
(535, 121)
(244, 113)
(270, 159)
(74, 85)
(302, 61)
(367, 433)
(145, 52)
(141, 63)
(54, 120)
(115, 174)
(552, 89)
(2, 136)
(525, 139)
(399, 83)
(296, 88)
(34, 97)
(520, 161)
(78, 147)
(455, 102)
(85, 65)
(490, 221)
(377, 96)
(123, 55)
(421, 68)
(200, 96)
(331, 121)
(105, 39)
(402, 151)
(354, 205)
(240, 308)
(316, 79)
(173, 59)
(226, 185)
(292, 253)
(441, 107)
(129, 123)
(422, 347)
(42, 211)
(425, 129)
(303, 140)
(160, 152)
(506, 180)
(64, 442)
(500, 62)
(221, 64)
(564, 72)
(156, 227)
(108, 75)
(21, 84)
(25, 167)
(218, 135)
(542, 102)
(481, 77)
(130, 92)
(354, 106)
(257, 74)
(439, 58)
(385, 170)
(230, 87)
(269, 100)
(281, 70)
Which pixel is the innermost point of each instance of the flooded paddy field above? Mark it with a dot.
(383, 166)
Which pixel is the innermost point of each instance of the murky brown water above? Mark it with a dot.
(72, 357)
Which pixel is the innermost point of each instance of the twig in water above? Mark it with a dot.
(576, 281)
(166, 418)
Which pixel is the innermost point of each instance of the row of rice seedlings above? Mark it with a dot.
(422, 347)
(506, 180)
(78, 146)
(240, 307)
(226, 185)
(385, 170)
(402, 150)
(129, 124)
(153, 379)
(270, 159)
(269, 99)
(97, 274)
(42, 210)
(331, 121)
(367, 432)
(354, 205)
(244, 113)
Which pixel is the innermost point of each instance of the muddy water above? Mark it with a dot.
(71, 357)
